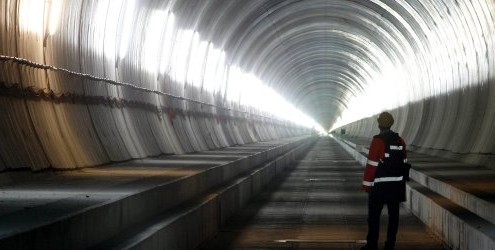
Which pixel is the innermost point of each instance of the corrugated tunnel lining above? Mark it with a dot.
(325, 56)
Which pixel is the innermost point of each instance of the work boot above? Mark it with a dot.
(370, 247)
(389, 246)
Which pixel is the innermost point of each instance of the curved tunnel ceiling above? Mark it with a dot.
(328, 57)
(332, 57)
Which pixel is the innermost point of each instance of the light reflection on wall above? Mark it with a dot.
(214, 69)
(197, 61)
(30, 16)
(168, 42)
(190, 60)
(110, 17)
(450, 60)
(386, 90)
(153, 37)
(185, 57)
(180, 55)
(55, 11)
(128, 22)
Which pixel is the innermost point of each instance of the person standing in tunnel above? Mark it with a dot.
(384, 180)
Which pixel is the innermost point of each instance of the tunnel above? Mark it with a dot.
(234, 124)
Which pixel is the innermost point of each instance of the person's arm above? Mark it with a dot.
(376, 153)
(404, 150)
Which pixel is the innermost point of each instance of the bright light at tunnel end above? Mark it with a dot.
(209, 73)
(179, 57)
(251, 91)
(387, 89)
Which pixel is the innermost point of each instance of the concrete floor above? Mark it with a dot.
(317, 205)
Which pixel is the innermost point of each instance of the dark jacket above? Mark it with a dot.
(383, 175)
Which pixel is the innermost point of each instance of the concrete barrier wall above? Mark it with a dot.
(103, 220)
(459, 229)
(190, 225)
(460, 219)
(481, 207)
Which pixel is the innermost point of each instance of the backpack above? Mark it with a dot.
(393, 163)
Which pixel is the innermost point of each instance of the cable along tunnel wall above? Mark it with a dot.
(69, 99)
(437, 57)
(100, 128)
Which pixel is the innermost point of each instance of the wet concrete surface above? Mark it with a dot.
(316, 205)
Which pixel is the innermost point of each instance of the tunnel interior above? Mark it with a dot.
(84, 83)
(92, 83)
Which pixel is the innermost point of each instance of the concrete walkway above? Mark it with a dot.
(318, 205)
(455, 199)
(82, 208)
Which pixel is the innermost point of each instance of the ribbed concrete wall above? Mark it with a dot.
(69, 100)
(457, 125)
(88, 82)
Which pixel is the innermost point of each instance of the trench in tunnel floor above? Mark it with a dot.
(318, 204)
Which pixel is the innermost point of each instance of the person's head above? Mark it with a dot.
(385, 120)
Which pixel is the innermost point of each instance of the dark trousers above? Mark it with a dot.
(375, 206)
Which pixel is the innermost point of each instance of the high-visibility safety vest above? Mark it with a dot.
(384, 173)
